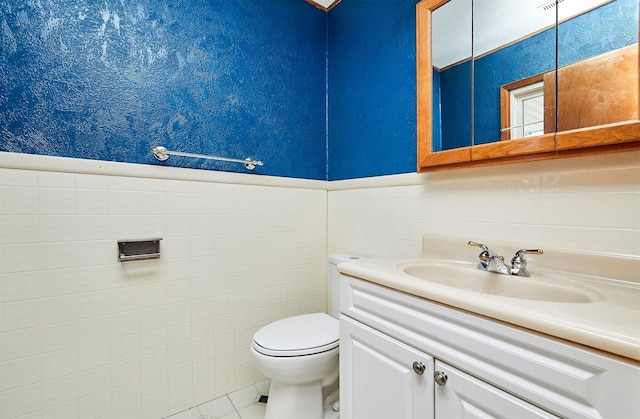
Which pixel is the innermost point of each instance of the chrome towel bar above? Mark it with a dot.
(520, 126)
(162, 154)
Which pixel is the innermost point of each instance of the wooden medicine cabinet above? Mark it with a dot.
(549, 80)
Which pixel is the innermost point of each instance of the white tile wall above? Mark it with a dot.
(82, 335)
(587, 204)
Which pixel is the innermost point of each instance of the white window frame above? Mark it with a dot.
(517, 98)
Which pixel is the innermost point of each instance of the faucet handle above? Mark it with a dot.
(480, 245)
(519, 263)
(522, 252)
(486, 252)
(485, 255)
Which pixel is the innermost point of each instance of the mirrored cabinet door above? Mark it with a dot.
(480, 80)
(514, 46)
(444, 89)
(597, 72)
(451, 50)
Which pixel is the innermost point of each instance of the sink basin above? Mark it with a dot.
(467, 277)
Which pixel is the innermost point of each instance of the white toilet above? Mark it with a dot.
(300, 355)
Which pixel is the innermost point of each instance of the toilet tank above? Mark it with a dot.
(334, 281)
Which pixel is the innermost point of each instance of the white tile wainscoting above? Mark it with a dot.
(587, 204)
(83, 336)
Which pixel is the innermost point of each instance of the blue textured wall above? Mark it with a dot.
(436, 103)
(455, 102)
(372, 88)
(531, 56)
(609, 27)
(108, 80)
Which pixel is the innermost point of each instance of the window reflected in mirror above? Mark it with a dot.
(527, 110)
(530, 112)
(522, 109)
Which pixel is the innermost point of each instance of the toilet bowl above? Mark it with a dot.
(300, 355)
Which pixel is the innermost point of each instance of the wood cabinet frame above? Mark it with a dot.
(615, 137)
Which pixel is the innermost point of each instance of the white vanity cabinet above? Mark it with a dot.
(378, 378)
(385, 379)
(460, 395)
(393, 344)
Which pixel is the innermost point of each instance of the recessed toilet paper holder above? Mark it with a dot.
(138, 249)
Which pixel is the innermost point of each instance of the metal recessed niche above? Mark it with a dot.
(129, 250)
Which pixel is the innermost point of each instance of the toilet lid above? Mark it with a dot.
(299, 335)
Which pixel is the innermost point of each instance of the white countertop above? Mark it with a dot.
(611, 322)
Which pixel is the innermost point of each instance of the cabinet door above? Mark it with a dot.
(463, 396)
(377, 377)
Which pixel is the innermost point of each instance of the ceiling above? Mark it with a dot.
(324, 4)
(495, 23)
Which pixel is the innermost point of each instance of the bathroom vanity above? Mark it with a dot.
(412, 347)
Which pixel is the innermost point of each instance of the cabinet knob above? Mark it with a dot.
(418, 367)
(440, 377)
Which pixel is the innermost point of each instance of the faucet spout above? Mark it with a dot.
(497, 265)
(490, 261)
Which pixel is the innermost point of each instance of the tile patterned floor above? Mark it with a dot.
(241, 404)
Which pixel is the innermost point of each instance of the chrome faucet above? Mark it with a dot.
(490, 261)
(519, 263)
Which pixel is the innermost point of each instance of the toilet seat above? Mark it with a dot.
(302, 335)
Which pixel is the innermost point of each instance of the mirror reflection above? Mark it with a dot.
(502, 76)
(529, 114)
(514, 41)
(452, 50)
(597, 66)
